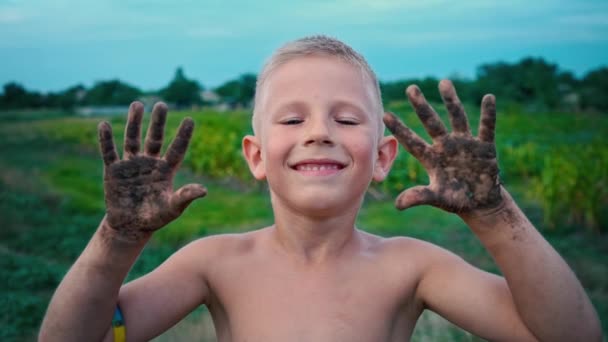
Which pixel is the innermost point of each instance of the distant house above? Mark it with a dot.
(102, 110)
(210, 97)
(149, 101)
(80, 94)
(571, 101)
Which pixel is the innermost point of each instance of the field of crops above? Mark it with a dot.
(51, 201)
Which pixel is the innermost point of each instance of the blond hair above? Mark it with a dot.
(318, 45)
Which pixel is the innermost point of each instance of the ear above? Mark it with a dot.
(253, 155)
(387, 152)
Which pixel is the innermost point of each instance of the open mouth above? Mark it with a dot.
(318, 167)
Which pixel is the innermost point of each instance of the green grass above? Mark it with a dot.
(51, 200)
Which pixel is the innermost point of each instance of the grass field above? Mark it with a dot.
(51, 201)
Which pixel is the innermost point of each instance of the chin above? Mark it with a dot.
(321, 204)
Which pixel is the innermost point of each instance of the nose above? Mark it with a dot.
(318, 132)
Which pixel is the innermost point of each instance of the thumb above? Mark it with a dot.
(412, 197)
(182, 198)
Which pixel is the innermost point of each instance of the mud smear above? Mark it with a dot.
(487, 123)
(465, 174)
(137, 195)
(463, 170)
(155, 135)
(139, 189)
(430, 119)
(458, 117)
(408, 138)
(177, 149)
(133, 130)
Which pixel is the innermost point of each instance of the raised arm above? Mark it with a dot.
(541, 296)
(139, 199)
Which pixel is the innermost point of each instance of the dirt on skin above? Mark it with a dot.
(139, 193)
(463, 169)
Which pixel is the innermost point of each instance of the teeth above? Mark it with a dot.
(316, 167)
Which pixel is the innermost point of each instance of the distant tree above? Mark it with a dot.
(66, 99)
(239, 91)
(181, 91)
(15, 96)
(567, 82)
(395, 90)
(465, 89)
(109, 93)
(531, 81)
(594, 90)
(569, 90)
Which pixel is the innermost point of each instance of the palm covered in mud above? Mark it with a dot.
(462, 169)
(138, 189)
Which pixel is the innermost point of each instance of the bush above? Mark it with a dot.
(215, 149)
(520, 161)
(406, 172)
(573, 186)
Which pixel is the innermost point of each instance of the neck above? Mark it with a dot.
(314, 239)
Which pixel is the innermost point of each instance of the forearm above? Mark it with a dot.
(547, 294)
(82, 307)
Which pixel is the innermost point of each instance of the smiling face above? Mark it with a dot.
(319, 136)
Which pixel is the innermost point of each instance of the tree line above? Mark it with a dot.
(533, 83)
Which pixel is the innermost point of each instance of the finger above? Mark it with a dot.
(106, 143)
(408, 138)
(154, 136)
(417, 195)
(487, 123)
(182, 198)
(133, 130)
(431, 121)
(177, 149)
(458, 117)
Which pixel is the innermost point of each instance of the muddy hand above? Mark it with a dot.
(462, 169)
(138, 189)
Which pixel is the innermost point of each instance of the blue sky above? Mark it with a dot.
(53, 44)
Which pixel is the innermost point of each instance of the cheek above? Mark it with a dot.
(275, 146)
(364, 149)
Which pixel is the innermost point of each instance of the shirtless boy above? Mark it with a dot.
(313, 276)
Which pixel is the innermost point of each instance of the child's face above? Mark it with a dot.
(319, 137)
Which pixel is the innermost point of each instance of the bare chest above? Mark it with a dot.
(255, 301)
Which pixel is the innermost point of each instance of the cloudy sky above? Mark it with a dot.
(52, 44)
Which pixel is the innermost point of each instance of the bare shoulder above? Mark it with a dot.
(408, 256)
(215, 248)
(209, 255)
(405, 248)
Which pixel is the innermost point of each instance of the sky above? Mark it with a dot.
(50, 45)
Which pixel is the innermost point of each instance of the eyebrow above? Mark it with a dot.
(301, 106)
(296, 106)
(359, 110)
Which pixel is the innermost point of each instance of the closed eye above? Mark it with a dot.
(292, 121)
(347, 122)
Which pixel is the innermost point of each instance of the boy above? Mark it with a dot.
(312, 276)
